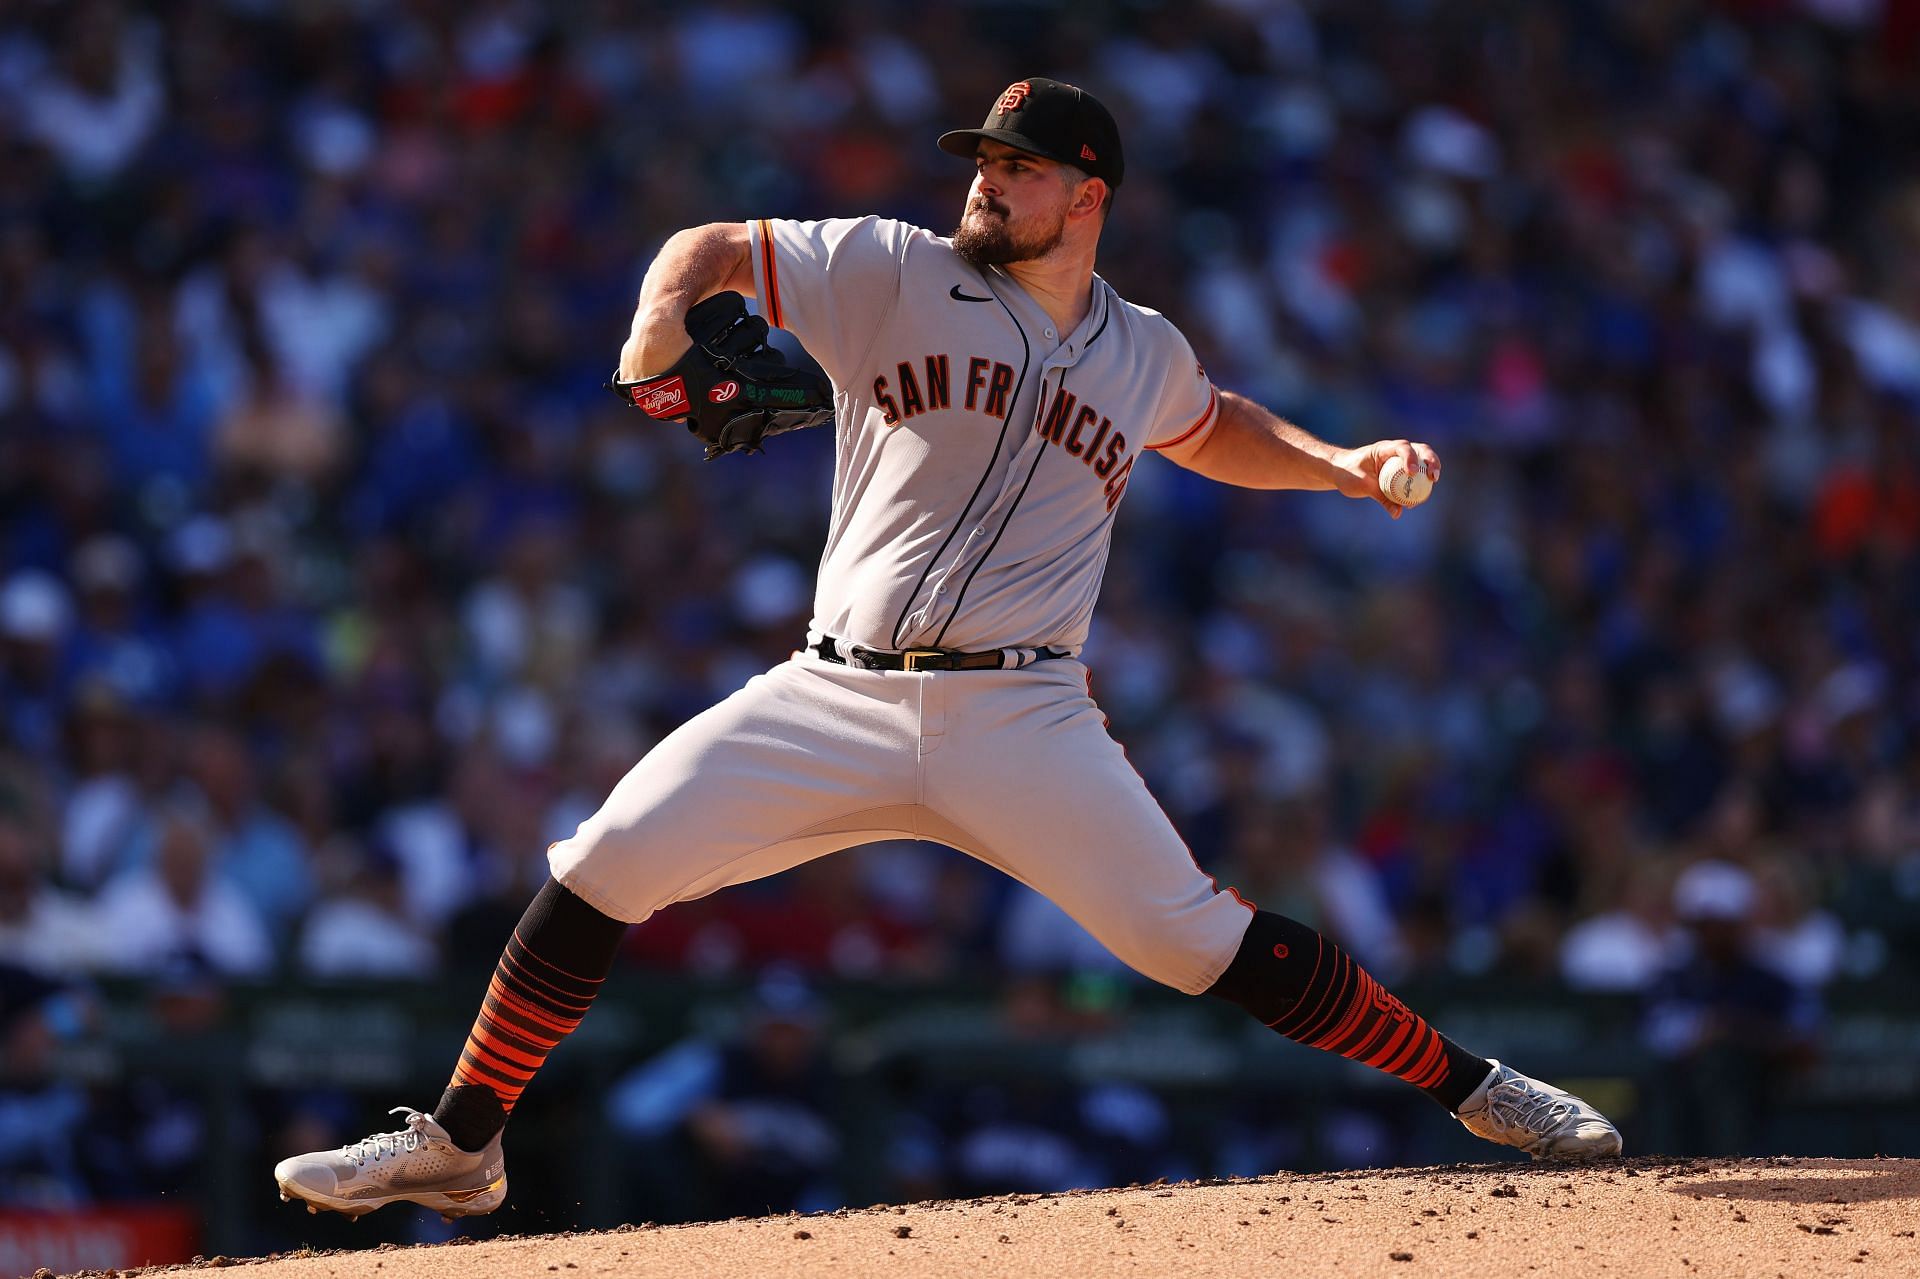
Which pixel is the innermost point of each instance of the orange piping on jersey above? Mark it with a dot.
(771, 276)
(1213, 402)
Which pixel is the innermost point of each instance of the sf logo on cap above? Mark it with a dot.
(1013, 97)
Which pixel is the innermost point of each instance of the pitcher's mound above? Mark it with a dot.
(1767, 1217)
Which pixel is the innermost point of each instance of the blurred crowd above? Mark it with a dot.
(333, 586)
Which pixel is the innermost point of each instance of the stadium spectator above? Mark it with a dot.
(95, 105)
(104, 821)
(1286, 857)
(361, 929)
(35, 617)
(115, 647)
(1629, 946)
(43, 929)
(747, 1116)
(1727, 1025)
(255, 848)
(177, 908)
(43, 1116)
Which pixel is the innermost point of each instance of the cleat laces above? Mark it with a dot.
(1540, 1113)
(384, 1145)
(1536, 1117)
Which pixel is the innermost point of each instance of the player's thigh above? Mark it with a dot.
(798, 763)
(1031, 776)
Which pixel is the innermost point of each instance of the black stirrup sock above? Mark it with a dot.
(1308, 989)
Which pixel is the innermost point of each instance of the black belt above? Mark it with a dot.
(926, 659)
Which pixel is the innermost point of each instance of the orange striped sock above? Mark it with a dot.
(1305, 987)
(530, 1006)
(554, 964)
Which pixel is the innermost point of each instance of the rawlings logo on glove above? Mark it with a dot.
(731, 387)
(666, 397)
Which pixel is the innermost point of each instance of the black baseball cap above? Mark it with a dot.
(1047, 118)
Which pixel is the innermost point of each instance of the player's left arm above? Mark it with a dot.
(1253, 448)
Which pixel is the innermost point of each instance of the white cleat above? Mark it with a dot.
(419, 1164)
(1546, 1122)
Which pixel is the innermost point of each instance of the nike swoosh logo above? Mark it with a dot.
(958, 296)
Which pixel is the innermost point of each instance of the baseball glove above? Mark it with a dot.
(732, 389)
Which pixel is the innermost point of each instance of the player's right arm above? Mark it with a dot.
(831, 284)
(692, 266)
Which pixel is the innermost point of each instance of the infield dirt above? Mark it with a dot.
(1649, 1216)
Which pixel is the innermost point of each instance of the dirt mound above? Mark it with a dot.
(1638, 1217)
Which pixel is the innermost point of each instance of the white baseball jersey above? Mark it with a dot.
(980, 459)
(981, 455)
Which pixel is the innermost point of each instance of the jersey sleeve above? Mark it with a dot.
(1189, 404)
(831, 284)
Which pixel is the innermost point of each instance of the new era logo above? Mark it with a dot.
(1086, 152)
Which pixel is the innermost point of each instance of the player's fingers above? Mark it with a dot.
(1393, 508)
(1426, 454)
(1405, 449)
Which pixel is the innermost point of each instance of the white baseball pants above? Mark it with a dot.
(1015, 768)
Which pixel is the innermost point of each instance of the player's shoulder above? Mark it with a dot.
(927, 251)
(877, 225)
(858, 232)
(896, 228)
(1143, 322)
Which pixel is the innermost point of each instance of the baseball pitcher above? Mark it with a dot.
(990, 397)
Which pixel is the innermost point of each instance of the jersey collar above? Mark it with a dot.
(1038, 325)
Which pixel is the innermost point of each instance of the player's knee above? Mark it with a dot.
(1185, 959)
(594, 868)
(1272, 967)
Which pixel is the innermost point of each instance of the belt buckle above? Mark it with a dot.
(911, 659)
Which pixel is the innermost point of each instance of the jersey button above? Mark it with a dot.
(1049, 334)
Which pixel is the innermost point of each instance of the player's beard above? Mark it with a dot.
(985, 239)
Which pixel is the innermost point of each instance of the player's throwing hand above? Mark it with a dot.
(1357, 471)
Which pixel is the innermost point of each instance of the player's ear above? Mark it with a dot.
(1087, 200)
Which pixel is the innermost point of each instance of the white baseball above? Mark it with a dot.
(1408, 488)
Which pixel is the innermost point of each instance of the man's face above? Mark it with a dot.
(1016, 209)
